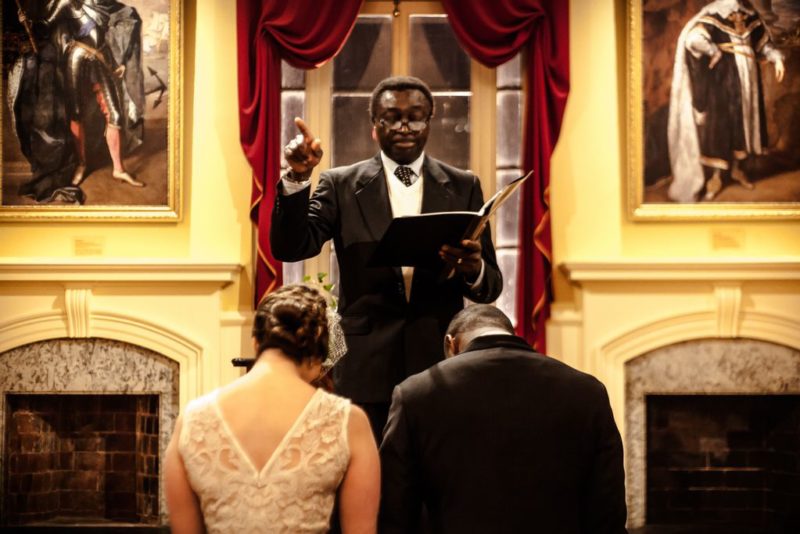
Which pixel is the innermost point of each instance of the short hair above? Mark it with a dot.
(477, 316)
(293, 319)
(398, 83)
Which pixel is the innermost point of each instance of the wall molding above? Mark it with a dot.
(170, 307)
(146, 270)
(118, 327)
(78, 305)
(677, 270)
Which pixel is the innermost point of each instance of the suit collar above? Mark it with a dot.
(494, 341)
(373, 198)
(368, 172)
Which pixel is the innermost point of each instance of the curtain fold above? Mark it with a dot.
(306, 34)
(492, 33)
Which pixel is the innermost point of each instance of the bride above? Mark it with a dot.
(268, 452)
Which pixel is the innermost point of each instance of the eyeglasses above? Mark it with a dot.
(397, 125)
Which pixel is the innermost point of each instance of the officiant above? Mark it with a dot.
(393, 318)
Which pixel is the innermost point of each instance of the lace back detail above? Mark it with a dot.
(295, 490)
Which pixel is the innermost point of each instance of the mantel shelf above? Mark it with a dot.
(678, 270)
(155, 270)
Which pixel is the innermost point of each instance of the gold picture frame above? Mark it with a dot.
(130, 81)
(653, 31)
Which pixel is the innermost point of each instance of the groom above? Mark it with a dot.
(500, 439)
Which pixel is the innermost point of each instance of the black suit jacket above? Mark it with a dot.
(500, 439)
(388, 337)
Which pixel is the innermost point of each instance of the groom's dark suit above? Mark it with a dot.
(500, 439)
(389, 338)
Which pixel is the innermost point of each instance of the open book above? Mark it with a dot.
(415, 240)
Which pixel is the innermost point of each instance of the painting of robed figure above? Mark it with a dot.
(89, 125)
(718, 93)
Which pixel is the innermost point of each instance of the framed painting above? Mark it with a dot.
(91, 110)
(713, 94)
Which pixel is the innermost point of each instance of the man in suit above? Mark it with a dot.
(393, 318)
(500, 439)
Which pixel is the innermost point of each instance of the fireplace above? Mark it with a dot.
(712, 437)
(81, 458)
(84, 424)
(724, 460)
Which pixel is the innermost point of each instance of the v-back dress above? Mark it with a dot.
(292, 493)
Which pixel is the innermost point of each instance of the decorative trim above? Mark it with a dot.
(118, 271)
(174, 345)
(681, 270)
(608, 360)
(729, 306)
(78, 302)
(26, 329)
(235, 319)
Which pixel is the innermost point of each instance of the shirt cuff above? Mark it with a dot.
(290, 186)
(477, 283)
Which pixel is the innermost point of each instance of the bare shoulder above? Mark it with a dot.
(359, 431)
(359, 422)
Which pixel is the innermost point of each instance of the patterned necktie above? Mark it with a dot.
(405, 174)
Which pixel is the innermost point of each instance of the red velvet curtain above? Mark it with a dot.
(306, 34)
(492, 33)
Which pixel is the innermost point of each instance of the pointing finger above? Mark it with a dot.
(301, 125)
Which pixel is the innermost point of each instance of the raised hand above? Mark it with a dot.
(304, 152)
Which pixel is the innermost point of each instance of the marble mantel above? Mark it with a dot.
(622, 310)
(171, 307)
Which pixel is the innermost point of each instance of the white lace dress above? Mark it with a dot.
(295, 490)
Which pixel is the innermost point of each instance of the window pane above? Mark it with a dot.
(449, 137)
(507, 261)
(292, 105)
(509, 128)
(507, 219)
(366, 57)
(352, 130)
(509, 74)
(291, 77)
(435, 54)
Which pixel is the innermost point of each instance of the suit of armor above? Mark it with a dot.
(89, 68)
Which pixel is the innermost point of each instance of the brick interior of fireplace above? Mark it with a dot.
(81, 458)
(724, 460)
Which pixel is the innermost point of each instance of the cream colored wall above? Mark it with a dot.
(588, 169)
(215, 225)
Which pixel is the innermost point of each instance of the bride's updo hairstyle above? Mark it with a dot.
(292, 318)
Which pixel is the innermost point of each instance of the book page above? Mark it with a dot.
(497, 200)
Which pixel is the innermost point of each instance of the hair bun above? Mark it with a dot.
(293, 319)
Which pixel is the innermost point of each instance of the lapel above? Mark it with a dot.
(437, 189)
(373, 198)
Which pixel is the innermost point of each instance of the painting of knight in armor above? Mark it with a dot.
(719, 98)
(91, 97)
